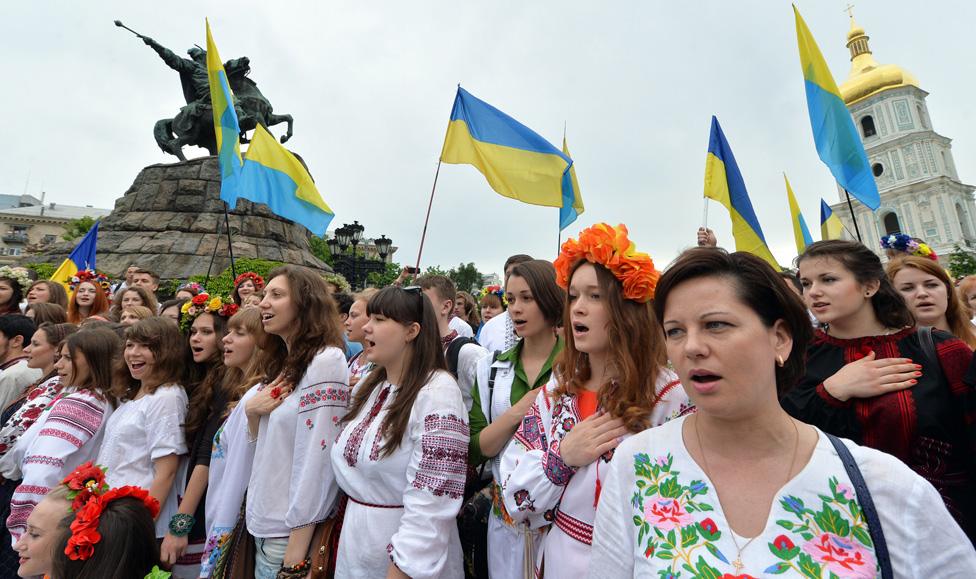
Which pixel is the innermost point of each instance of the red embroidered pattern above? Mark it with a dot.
(78, 413)
(335, 394)
(46, 460)
(66, 436)
(355, 440)
(374, 453)
(574, 527)
(443, 465)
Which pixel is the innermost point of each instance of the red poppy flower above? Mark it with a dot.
(81, 545)
(783, 543)
(84, 476)
(200, 299)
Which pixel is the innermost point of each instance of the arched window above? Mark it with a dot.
(891, 224)
(867, 126)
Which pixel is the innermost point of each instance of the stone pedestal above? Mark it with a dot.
(167, 222)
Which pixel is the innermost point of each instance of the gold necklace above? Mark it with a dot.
(737, 564)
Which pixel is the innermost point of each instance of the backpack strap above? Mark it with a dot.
(491, 381)
(927, 342)
(866, 503)
(454, 352)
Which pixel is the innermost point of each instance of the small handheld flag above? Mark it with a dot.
(801, 233)
(81, 258)
(830, 225)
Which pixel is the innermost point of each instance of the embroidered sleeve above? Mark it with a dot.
(532, 471)
(70, 424)
(438, 438)
(324, 396)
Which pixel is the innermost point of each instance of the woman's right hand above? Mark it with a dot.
(591, 438)
(268, 398)
(868, 377)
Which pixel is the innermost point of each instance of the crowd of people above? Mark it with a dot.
(593, 416)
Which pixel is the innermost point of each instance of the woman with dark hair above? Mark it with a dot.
(89, 296)
(13, 285)
(21, 414)
(133, 296)
(45, 313)
(741, 489)
(930, 295)
(144, 438)
(204, 378)
(870, 376)
(610, 381)
(172, 309)
(46, 291)
(294, 418)
(246, 285)
(71, 430)
(401, 454)
(507, 385)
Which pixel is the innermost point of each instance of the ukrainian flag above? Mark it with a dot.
(801, 233)
(226, 126)
(723, 183)
(274, 176)
(517, 162)
(830, 225)
(82, 257)
(838, 142)
(572, 200)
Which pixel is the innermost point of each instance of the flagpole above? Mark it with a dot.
(853, 217)
(430, 204)
(705, 214)
(230, 247)
(214, 256)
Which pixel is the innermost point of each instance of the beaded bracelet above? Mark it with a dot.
(181, 525)
(295, 571)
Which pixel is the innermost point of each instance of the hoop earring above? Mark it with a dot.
(780, 362)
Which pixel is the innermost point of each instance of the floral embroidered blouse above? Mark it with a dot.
(660, 516)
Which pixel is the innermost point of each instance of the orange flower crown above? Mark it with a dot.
(611, 248)
(90, 494)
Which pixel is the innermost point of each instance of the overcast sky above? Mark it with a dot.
(371, 84)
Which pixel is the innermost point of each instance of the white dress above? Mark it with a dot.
(140, 432)
(660, 516)
(403, 507)
(541, 490)
(291, 484)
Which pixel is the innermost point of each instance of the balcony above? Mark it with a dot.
(15, 237)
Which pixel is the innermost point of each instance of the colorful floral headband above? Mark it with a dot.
(84, 529)
(611, 248)
(92, 277)
(18, 276)
(192, 287)
(495, 290)
(257, 280)
(203, 304)
(905, 244)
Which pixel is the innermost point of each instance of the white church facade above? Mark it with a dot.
(921, 193)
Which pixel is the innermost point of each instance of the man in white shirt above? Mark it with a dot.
(462, 356)
(15, 334)
(498, 333)
(461, 327)
(127, 282)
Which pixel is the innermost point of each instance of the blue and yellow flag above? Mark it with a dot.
(82, 257)
(801, 233)
(226, 126)
(572, 199)
(274, 176)
(517, 162)
(830, 225)
(723, 183)
(838, 143)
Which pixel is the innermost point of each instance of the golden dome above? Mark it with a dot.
(867, 77)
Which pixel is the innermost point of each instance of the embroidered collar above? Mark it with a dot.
(446, 340)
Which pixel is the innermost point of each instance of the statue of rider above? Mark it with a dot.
(196, 85)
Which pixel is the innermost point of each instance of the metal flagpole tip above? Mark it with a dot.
(118, 23)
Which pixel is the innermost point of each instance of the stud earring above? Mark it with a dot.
(780, 362)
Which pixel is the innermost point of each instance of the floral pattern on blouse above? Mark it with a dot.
(825, 541)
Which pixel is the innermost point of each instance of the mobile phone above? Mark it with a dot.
(412, 270)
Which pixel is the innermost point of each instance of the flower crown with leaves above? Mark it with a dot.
(16, 275)
(494, 290)
(90, 276)
(89, 495)
(192, 287)
(204, 304)
(257, 280)
(905, 244)
(613, 249)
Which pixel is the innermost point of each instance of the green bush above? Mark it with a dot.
(44, 270)
(223, 284)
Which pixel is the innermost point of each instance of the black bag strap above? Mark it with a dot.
(491, 381)
(927, 342)
(866, 504)
(454, 352)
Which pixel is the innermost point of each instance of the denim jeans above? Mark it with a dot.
(269, 555)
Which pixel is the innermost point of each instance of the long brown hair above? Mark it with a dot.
(164, 340)
(148, 300)
(54, 335)
(237, 381)
(318, 325)
(636, 355)
(98, 307)
(45, 312)
(404, 306)
(956, 317)
(200, 379)
(55, 292)
(102, 350)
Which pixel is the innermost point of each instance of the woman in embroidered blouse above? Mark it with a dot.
(506, 387)
(931, 297)
(869, 378)
(609, 382)
(291, 485)
(204, 374)
(401, 454)
(21, 414)
(741, 489)
(144, 438)
(357, 318)
(68, 433)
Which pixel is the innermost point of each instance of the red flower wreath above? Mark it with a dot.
(84, 529)
(257, 280)
(87, 481)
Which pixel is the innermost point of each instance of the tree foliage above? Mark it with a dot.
(320, 249)
(466, 277)
(76, 228)
(44, 270)
(223, 284)
(387, 277)
(962, 262)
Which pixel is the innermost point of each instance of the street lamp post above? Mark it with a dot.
(350, 264)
